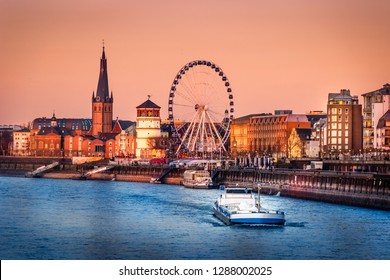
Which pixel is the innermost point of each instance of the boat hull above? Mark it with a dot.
(263, 218)
(195, 185)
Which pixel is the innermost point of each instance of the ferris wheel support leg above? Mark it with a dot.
(186, 134)
(219, 137)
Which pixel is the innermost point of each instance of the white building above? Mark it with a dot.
(148, 130)
(21, 142)
(376, 104)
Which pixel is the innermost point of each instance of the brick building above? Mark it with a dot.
(344, 123)
(265, 133)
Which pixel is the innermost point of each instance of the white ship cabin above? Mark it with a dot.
(238, 197)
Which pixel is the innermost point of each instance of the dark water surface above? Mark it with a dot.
(65, 219)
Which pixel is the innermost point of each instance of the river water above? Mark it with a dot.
(65, 219)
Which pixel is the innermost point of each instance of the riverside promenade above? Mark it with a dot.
(371, 190)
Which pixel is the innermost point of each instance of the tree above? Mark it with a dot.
(294, 145)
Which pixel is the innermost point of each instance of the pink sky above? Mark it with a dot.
(277, 54)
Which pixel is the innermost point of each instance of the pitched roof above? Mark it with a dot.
(385, 90)
(297, 118)
(71, 124)
(107, 136)
(148, 104)
(126, 124)
(117, 127)
(383, 119)
(55, 130)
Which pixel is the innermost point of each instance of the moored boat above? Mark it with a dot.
(238, 206)
(199, 179)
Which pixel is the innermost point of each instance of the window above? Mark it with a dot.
(346, 111)
(340, 111)
(99, 148)
(339, 133)
(334, 111)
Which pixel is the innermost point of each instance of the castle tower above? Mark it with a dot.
(148, 128)
(102, 102)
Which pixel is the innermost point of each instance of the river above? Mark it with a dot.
(93, 220)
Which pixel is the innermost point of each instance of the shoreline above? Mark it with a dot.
(309, 188)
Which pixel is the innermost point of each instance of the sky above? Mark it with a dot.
(276, 54)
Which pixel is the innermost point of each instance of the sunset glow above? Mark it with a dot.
(277, 54)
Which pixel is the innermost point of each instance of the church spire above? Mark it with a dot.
(102, 103)
(102, 93)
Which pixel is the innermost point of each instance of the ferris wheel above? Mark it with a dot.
(201, 108)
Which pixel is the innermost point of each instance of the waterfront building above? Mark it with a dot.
(383, 132)
(21, 142)
(119, 142)
(319, 134)
(102, 102)
(344, 123)
(80, 126)
(239, 134)
(49, 140)
(375, 105)
(315, 116)
(269, 134)
(265, 133)
(6, 138)
(125, 140)
(309, 146)
(148, 130)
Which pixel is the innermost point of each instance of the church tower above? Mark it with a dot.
(102, 102)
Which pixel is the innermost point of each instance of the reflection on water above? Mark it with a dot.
(65, 219)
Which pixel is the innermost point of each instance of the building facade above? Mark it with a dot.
(7, 139)
(265, 133)
(383, 133)
(344, 123)
(48, 141)
(148, 130)
(239, 135)
(269, 134)
(375, 105)
(21, 142)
